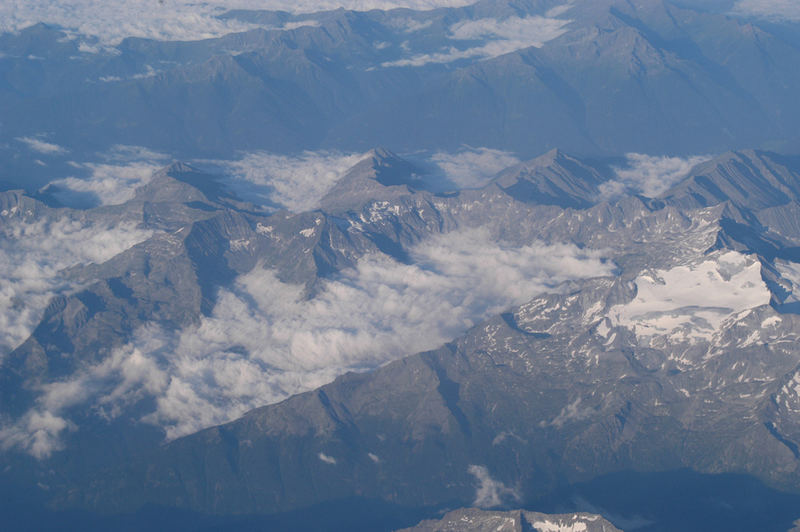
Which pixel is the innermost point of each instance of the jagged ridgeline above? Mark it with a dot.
(564, 296)
(673, 355)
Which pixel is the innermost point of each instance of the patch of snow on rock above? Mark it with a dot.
(690, 302)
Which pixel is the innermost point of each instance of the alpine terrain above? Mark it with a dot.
(423, 265)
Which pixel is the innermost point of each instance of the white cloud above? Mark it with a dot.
(32, 254)
(264, 341)
(473, 167)
(413, 26)
(113, 181)
(38, 433)
(41, 146)
(294, 182)
(571, 412)
(499, 37)
(557, 11)
(299, 182)
(300, 24)
(779, 9)
(649, 174)
(489, 493)
(327, 459)
(110, 21)
(131, 375)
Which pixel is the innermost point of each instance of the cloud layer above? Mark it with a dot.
(778, 9)
(490, 38)
(110, 21)
(297, 183)
(490, 493)
(264, 341)
(473, 167)
(260, 352)
(40, 146)
(32, 255)
(113, 179)
(650, 175)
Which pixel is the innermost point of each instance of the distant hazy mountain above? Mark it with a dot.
(590, 77)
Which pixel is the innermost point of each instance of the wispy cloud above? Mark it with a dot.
(33, 252)
(778, 9)
(490, 493)
(495, 37)
(38, 433)
(473, 167)
(107, 22)
(113, 179)
(412, 26)
(40, 146)
(297, 183)
(127, 373)
(327, 459)
(649, 175)
(264, 341)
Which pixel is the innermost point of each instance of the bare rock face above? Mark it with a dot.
(475, 520)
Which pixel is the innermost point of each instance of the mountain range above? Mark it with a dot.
(519, 264)
(593, 78)
(668, 347)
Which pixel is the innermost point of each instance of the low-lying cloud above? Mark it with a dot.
(127, 376)
(473, 167)
(496, 38)
(111, 180)
(32, 255)
(776, 9)
(490, 493)
(265, 341)
(650, 175)
(294, 182)
(107, 22)
(297, 183)
(40, 146)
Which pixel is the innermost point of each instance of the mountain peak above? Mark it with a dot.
(554, 178)
(381, 174)
(380, 153)
(549, 157)
(179, 182)
(177, 168)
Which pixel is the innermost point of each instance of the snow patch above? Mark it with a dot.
(559, 526)
(690, 302)
(262, 229)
